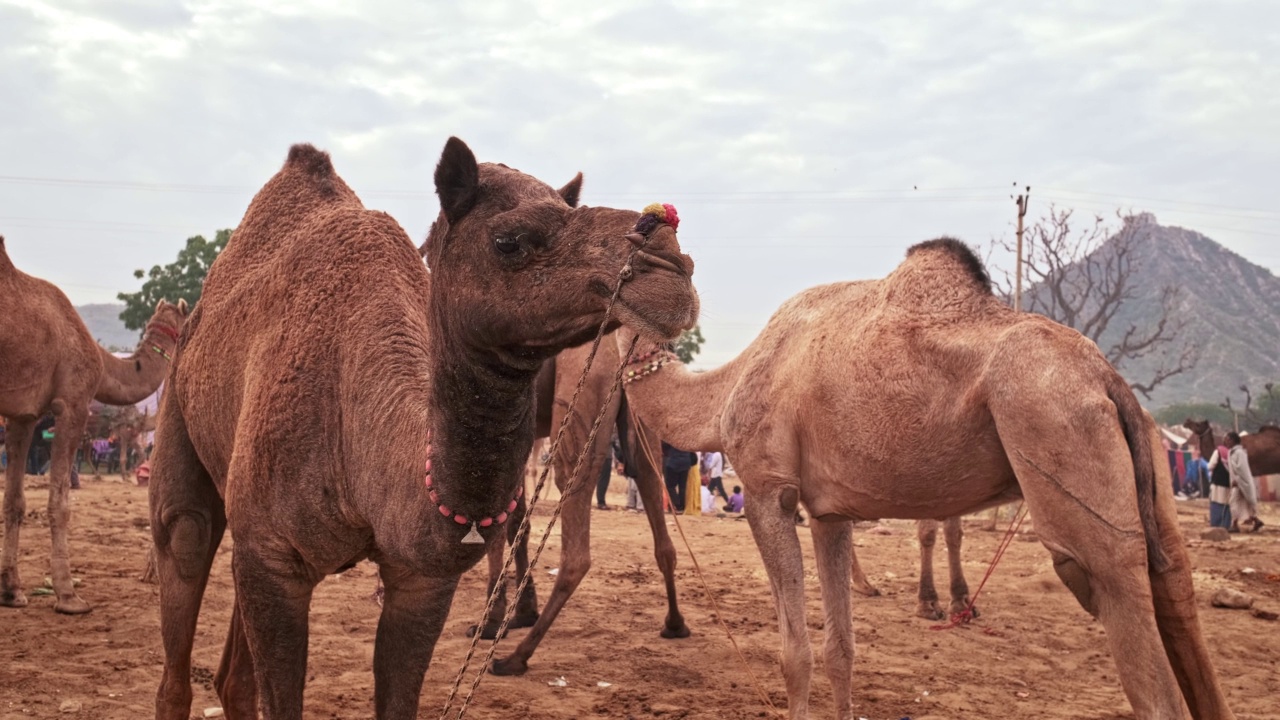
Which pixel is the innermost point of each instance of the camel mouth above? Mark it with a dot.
(659, 261)
(662, 322)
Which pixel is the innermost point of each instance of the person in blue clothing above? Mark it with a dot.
(1195, 484)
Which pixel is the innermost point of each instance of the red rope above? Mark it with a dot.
(965, 616)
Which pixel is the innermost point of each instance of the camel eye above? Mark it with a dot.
(506, 244)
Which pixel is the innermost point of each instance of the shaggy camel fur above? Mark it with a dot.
(555, 389)
(1263, 447)
(50, 363)
(325, 368)
(965, 393)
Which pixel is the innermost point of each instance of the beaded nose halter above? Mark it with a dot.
(473, 536)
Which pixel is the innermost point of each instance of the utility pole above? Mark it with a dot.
(1017, 273)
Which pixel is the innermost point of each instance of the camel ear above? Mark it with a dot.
(457, 179)
(182, 306)
(572, 190)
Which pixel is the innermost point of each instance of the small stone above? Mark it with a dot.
(1228, 598)
(213, 712)
(1216, 534)
(69, 706)
(1264, 614)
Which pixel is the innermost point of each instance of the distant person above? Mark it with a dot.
(713, 470)
(1195, 483)
(676, 464)
(735, 500)
(1244, 490)
(41, 446)
(1219, 489)
(602, 482)
(634, 502)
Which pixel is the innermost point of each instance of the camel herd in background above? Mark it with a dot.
(331, 400)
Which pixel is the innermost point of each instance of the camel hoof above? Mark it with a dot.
(867, 590)
(490, 632)
(523, 620)
(14, 599)
(508, 667)
(957, 608)
(675, 633)
(930, 611)
(72, 606)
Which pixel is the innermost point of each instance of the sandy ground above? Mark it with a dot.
(1033, 654)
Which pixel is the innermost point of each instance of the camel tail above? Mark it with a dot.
(1134, 423)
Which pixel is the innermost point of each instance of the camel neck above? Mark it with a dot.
(684, 407)
(126, 381)
(482, 428)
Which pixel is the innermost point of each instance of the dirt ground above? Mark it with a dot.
(1033, 653)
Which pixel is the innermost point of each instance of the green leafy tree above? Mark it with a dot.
(179, 280)
(689, 344)
(1174, 415)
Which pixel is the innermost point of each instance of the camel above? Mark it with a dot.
(50, 363)
(562, 374)
(333, 401)
(948, 396)
(1263, 447)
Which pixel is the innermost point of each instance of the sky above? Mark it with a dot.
(802, 142)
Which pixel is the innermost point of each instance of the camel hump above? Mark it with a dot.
(311, 160)
(958, 251)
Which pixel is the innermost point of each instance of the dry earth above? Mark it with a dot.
(1033, 654)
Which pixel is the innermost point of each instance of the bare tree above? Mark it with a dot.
(1081, 276)
(1267, 412)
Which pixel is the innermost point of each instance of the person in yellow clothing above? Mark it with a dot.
(693, 495)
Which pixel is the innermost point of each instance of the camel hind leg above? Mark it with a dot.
(1086, 511)
(953, 530)
(17, 442)
(1176, 615)
(858, 578)
(927, 607)
(832, 549)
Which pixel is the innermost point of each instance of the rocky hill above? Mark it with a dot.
(1230, 307)
(103, 321)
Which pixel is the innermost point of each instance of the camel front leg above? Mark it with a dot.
(187, 524)
(17, 441)
(413, 614)
(575, 561)
(771, 512)
(832, 548)
(273, 594)
(68, 428)
(953, 530)
(927, 607)
(234, 681)
(650, 486)
(498, 582)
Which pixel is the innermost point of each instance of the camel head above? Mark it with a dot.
(1203, 435)
(518, 266)
(167, 319)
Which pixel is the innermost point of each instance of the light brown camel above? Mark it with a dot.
(575, 529)
(325, 375)
(50, 363)
(1262, 447)
(949, 396)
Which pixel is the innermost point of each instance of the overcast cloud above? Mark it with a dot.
(789, 135)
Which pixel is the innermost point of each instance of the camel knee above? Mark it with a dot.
(954, 532)
(185, 538)
(573, 569)
(665, 555)
(1076, 578)
(927, 533)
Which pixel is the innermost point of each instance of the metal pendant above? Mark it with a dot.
(473, 536)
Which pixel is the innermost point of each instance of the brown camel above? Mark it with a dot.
(50, 363)
(1263, 447)
(575, 529)
(949, 396)
(326, 374)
